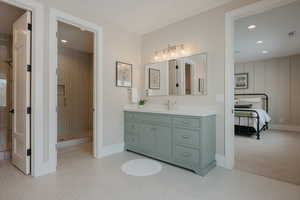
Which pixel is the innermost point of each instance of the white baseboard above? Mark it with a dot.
(74, 142)
(285, 127)
(111, 149)
(5, 155)
(220, 160)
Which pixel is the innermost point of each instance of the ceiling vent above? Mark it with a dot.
(292, 35)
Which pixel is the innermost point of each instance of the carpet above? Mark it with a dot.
(276, 155)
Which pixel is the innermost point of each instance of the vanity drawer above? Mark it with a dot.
(155, 119)
(186, 157)
(186, 122)
(185, 136)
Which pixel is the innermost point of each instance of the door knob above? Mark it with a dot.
(12, 111)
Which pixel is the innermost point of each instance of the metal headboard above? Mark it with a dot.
(264, 95)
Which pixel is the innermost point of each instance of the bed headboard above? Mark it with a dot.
(263, 96)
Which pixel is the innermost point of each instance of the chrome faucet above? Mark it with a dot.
(171, 104)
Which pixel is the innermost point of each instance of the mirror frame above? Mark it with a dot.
(153, 63)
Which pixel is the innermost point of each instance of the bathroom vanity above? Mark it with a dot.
(183, 138)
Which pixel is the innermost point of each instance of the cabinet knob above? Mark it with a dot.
(186, 136)
(186, 154)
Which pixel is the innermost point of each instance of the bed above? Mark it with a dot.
(251, 114)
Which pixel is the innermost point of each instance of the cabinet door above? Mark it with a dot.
(164, 142)
(131, 134)
(147, 139)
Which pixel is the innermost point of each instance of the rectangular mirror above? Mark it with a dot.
(179, 77)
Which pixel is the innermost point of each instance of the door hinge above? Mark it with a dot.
(28, 152)
(28, 110)
(29, 27)
(29, 68)
(177, 85)
(177, 67)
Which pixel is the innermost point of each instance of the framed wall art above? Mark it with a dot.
(154, 78)
(123, 74)
(241, 81)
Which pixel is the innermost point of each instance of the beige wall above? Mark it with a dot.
(279, 78)
(202, 33)
(75, 102)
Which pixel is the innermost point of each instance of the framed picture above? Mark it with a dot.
(154, 78)
(123, 74)
(241, 81)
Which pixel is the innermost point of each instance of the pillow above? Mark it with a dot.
(243, 106)
(250, 100)
(257, 103)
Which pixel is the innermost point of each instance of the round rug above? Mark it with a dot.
(141, 167)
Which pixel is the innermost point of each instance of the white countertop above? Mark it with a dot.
(179, 110)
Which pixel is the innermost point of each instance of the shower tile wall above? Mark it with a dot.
(74, 94)
(5, 92)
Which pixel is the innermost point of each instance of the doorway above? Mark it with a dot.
(261, 130)
(15, 86)
(57, 16)
(74, 87)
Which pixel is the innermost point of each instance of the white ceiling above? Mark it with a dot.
(137, 16)
(8, 15)
(272, 28)
(77, 39)
(144, 16)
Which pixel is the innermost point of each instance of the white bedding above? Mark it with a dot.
(263, 119)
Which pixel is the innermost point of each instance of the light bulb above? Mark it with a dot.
(251, 27)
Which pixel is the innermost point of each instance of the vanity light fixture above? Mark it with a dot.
(156, 57)
(250, 27)
(64, 41)
(182, 49)
(265, 52)
(172, 52)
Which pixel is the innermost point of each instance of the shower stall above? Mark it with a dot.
(5, 95)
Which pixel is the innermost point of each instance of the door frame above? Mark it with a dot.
(54, 17)
(230, 18)
(37, 83)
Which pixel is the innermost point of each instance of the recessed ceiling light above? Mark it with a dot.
(64, 41)
(265, 52)
(259, 42)
(251, 27)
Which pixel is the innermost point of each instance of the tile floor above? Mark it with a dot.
(81, 177)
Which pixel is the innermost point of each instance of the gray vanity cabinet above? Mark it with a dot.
(186, 141)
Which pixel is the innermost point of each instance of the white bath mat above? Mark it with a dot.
(141, 167)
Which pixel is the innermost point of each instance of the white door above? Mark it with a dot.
(21, 93)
